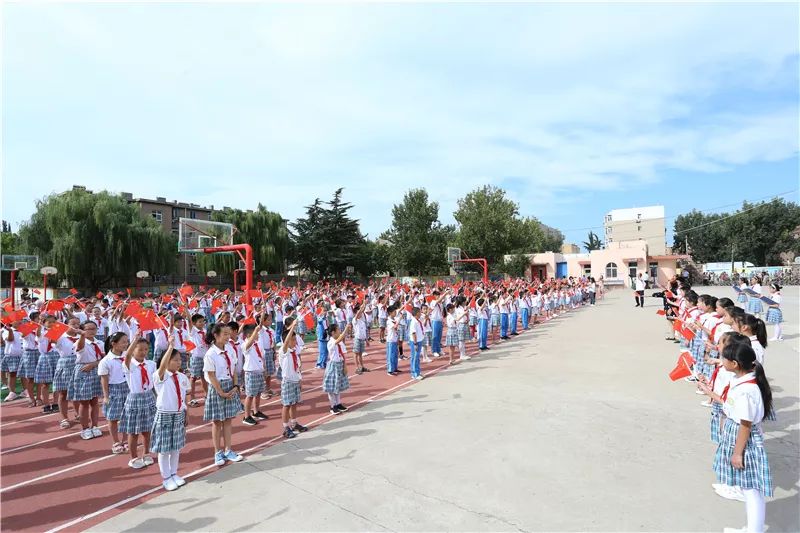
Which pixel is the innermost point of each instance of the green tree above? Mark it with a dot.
(759, 232)
(419, 240)
(264, 230)
(96, 239)
(516, 265)
(488, 224)
(592, 242)
(708, 243)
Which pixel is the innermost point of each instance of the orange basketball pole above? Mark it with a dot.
(482, 262)
(248, 260)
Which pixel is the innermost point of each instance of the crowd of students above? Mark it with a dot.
(728, 347)
(144, 361)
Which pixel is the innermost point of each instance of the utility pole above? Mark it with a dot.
(732, 263)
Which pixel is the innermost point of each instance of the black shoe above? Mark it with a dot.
(335, 410)
(364, 369)
(47, 409)
(341, 408)
(299, 428)
(383, 341)
(288, 433)
(249, 421)
(359, 370)
(260, 416)
(515, 334)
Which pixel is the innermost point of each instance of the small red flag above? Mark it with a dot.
(309, 320)
(133, 309)
(73, 291)
(189, 345)
(661, 312)
(687, 334)
(682, 367)
(186, 291)
(56, 331)
(99, 295)
(54, 306)
(28, 327)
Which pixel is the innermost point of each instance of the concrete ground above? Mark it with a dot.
(573, 427)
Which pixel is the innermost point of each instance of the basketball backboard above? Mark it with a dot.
(453, 255)
(20, 262)
(194, 235)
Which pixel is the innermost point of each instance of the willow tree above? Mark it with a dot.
(265, 231)
(96, 239)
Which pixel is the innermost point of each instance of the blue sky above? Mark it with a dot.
(575, 109)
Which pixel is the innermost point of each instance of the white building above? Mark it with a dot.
(637, 224)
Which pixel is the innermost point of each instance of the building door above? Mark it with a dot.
(561, 270)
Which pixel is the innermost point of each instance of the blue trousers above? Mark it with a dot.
(391, 356)
(416, 350)
(278, 329)
(503, 325)
(513, 319)
(436, 345)
(526, 318)
(323, 354)
(483, 332)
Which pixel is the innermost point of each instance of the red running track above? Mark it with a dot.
(53, 480)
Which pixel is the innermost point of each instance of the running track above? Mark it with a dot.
(54, 481)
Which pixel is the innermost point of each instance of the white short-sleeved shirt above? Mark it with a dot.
(219, 361)
(113, 366)
(436, 311)
(13, 347)
(360, 328)
(167, 400)
(136, 382)
(451, 320)
(267, 339)
(254, 359)
(417, 330)
(197, 336)
(336, 351)
(391, 329)
(65, 346)
(92, 352)
(758, 349)
(722, 379)
(776, 297)
(744, 400)
(291, 365)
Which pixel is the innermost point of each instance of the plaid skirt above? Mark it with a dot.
(451, 339)
(269, 363)
(118, 393)
(359, 345)
(27, 364)
(755, 474)
(139, 412)
(716, 415)
(254, 383)
(10, 363)
(301, 327)
(428, 339)
(169, 432)
(86, 385)
(290, 392)
(402, 332)
(46, 367)
(335, 380)
(473, 320)
(381, 322)
(196, 367)
(742, 298)
(754, 306)
(64, 374)
(463, 332)
(774, 315)
(218, 408)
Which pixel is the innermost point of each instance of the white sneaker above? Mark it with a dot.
(3, 387)
(148, 460)
(465, 358)
(169, 484)
(136, 464)
(96, 432)
(706, 403)
(11, 396)
(698, 391)
(178, 480)
(437, 355)
(418, 378)
(690, 379)
(25, 394)
(730, 493)
(773, 339)
(86, 434)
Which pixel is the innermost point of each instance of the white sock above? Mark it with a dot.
(174, 460)
(756, 509)
(165, 465)
(338, 398)
(332, 399)
(462, 348)
(778, 331)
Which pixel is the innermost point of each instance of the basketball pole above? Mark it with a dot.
(248, 260)
(13, 285)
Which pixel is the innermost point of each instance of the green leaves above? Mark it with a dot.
(593, 242)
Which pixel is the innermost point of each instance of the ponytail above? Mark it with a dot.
(113, 339)
(757, 327)
(745, 357)
(763, 386)
(214, 331)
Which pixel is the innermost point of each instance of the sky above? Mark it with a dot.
(573, 109)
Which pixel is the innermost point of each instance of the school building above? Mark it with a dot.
(618, 264)
(637, 224)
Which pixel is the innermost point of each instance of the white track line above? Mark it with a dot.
(205, 468)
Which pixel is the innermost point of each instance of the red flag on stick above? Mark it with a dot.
(56, 331)
(682, 367)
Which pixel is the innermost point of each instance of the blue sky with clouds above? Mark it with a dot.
(574, 109)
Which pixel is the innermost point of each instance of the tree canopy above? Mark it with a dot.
(592, 242)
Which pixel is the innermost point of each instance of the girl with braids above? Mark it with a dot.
(114, 382)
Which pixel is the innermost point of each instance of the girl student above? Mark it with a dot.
(416, 335)
(360, 334)
(29, 361)
(725, 324)
(754, 305)
(64, 375)
(197, 334)
(87, 389)
(697, 346)
(335, 381)
(289, 360)
(713, 387)
(140, 405)
(462, 327)
(706, 325)
(741, 458)
(503, 305)
(222, 400)
(382, 316)
(169, 424)
(774, 313)
(742, 297)
(391, 340)
(451, 337)
(755, 329)
(427, 330)
(267, 343)
(13, 352)
(46, 367)
(254, 383)
(494, 310)
(114, 382)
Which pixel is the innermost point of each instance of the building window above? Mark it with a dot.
(608, 218)
(653, 271)
(192, 269)
(192, 214)
(632, 269)
(587, 270)
(638, 228)
(157, 216)
(611, 270)
(176, 213)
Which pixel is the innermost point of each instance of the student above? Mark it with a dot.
(774, 313)
(179, 335)
(415, 336)
(427, 329)
(114, 382)
(513, 313)
(197, 334)
(222, 400)
(462, 328)
(639, 286)
(46, 367)
(382, 316)
(755, 329)
(741, 458)
(401, 319)
(140, 405)
(267, 343)
(502, 304)
(13, 353)
(254, 383)
(451, 339)
(169, 424)
(96, 316)
(64, 375)
(524, 304)
(87, 389)
(754, 306)
(322, 339)
(360, 335)
(289, 360)
(29, 361)
(483, 323)
(335, 380)
(437, 324)
(391, 340)
(742, 298)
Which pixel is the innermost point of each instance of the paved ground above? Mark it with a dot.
(576, 427)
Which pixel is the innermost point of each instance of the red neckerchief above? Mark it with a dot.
(294, 360)
(143, 373)
(177, 390)
(98, 353)
(258, 351)
(341, 350)
(49, 345)
(180, 336)
(228, 362)
(728, 386)
(714, 377)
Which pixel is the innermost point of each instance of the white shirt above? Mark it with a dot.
(290, 363)
(65, 346)
(436, 311)
(197, 336)
(162, 339)
(219, 361)
(336, 351)
(136, 382)
(640, 285)
(92, 351)
(360, 328)
(267, 339)
(167, 400)
(391, 329)
(758, 349)
(744, 400)
(416, 333)
(113, 366)
(254, 359)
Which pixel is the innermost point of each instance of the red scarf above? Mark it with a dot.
(341, 350)
(294, 360)
(98, 353)
(258, 351)
(728, 386)
(145, 376)
(177, 390)
(228, 362)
